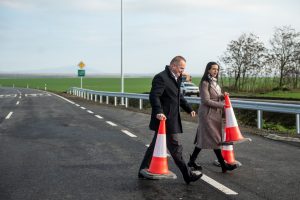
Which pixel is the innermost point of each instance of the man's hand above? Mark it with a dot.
(161, 116)
(193, 113)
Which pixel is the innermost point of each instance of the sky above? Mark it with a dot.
(53, 36)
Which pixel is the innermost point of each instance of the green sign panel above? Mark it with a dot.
(81, 72)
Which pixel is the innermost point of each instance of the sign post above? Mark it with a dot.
(81, 72)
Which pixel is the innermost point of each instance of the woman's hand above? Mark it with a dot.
(226, 94)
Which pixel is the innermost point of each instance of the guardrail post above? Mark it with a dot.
(96, 97)
(100, 99)
(141, 104)
(126, 102)
(298, 123)
(259, 119)
(107, 99)
(116, 101)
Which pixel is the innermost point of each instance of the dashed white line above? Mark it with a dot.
(9, 115)
(218, 185)
(77, 105)
(17, 102)
(83, 108)
(111, 123)
(90, 111)
(128, 133)
(98, 116)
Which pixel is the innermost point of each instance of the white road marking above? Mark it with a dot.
(8, 95)
(128, 133)
(111, 123)
(90, 111)
(9, 115)
(63, 98)
(77, 105)
(17, 102)
(98, 116)
(83, 108)
(147, 145)
(218, 185)
(20, 97)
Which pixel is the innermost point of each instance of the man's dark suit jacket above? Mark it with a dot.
(165, 97)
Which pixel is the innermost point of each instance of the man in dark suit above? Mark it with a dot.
(166, 100)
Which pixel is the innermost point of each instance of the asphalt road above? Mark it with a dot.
(53, 148)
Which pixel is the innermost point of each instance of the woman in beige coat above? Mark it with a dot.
(209, 132)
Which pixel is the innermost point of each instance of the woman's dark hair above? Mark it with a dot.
(208, 67)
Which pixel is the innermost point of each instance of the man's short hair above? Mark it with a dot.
(177, 59)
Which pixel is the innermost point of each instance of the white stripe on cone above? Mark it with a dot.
(160, 149)
(227, 147)
(230, 118)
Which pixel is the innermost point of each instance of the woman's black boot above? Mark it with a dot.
(224, 165)
(193, 158)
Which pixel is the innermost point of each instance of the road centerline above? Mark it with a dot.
(111, 123)
(98, 116)
(9, 115)
(128, 133)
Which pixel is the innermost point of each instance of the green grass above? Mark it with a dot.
(281, 94)
(132, 85)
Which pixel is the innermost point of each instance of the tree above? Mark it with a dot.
(284, 52)
(244, 57)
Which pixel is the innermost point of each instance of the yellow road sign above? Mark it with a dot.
(81, 65)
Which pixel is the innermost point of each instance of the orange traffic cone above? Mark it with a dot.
(228, 155)
(159, 164)
(232, 131)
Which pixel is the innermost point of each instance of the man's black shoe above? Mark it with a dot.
(193, 177)
(141, 176)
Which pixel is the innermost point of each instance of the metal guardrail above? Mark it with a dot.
(242, 104)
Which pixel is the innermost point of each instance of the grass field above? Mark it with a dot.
(132, 85)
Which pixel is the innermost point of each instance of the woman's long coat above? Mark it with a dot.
(209, 131)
